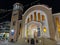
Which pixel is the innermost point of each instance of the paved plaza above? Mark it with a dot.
(10, 43)
(5, 42)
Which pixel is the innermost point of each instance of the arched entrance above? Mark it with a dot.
(33, 29)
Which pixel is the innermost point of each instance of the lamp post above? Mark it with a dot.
(12, 32)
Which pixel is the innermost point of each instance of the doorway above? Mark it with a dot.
(32, 33)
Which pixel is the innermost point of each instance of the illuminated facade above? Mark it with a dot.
(38, 21)
(57, 26)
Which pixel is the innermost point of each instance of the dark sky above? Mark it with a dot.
(8, 4)
(56, 6)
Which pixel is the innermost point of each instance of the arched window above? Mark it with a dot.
(31, 17)
(44, 29)
(20, 25)
(34, 16)
(14, 23)
(59, 28)
(20, 28)
(43, 17)
(57, 20)
(27, 33)
(59, 31)
(57, 25)
(28, 20)
(39, 17)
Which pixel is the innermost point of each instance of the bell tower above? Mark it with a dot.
(14, 28)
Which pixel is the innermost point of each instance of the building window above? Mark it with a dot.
(31, 17)
(58, 28)
(34, 16)
(57, 25)
(20, 25)
(57, 20)
(15, 14)
(44, 29)
(28, 20)
(43, 17)
(59, 31)
(39, 17)
(14, 23)
(27, 33)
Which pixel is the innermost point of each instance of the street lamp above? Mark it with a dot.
(12, 32)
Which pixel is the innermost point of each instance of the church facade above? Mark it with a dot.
(36, 22)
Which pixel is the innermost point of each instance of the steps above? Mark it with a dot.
(21, 41)
(58, 42)
(44, 41)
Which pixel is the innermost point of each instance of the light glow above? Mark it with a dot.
(45, 29)
(12, 30)
(35, 30)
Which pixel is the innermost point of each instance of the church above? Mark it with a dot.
(37, 22)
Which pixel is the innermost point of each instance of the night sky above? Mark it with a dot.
(8, 4)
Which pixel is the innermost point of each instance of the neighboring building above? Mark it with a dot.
(56, 18)
(38, 21)
(5, 27)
